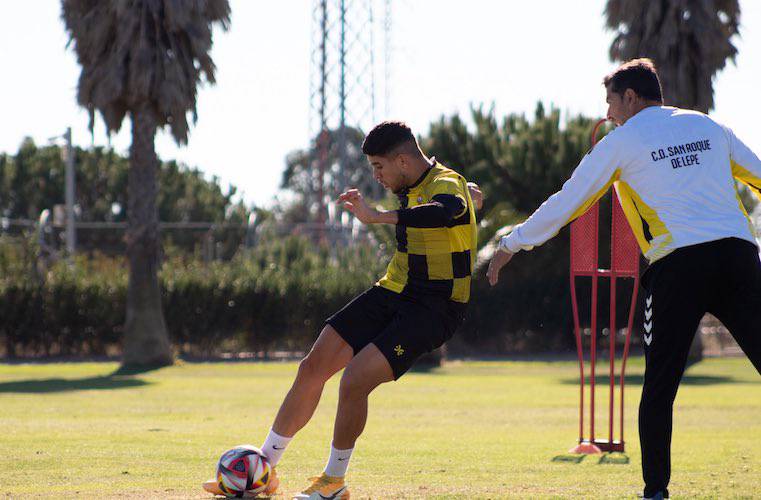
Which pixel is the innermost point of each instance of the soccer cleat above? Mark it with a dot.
(325, 488)
(272, 485)
(212, 486)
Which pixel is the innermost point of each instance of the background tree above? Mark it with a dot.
(33, 180)
(301, 173)
(145, 58)
(689, 41)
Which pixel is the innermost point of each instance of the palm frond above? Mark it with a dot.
(689, 41)
(137, 52)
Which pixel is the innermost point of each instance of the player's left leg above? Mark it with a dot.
(362, 375)
(415, 330)
(738, 296)
(674, 303)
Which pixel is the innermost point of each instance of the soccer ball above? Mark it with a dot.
(243, 471)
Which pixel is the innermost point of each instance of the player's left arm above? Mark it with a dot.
(448, 200)
(442, 209)
(746, 166)
(476, 195)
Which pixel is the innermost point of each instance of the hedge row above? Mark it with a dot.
(275, 296)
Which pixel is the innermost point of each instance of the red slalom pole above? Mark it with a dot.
(580, 353)
(593, 346)
(612, 341)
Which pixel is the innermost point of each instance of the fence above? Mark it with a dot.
(209, 240)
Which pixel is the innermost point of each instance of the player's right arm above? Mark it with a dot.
(442, 209)
(588, 183)
(746, 166)
(447, 204)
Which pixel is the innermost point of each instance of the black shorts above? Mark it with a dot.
(403, 328)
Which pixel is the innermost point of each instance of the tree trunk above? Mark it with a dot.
(145, 337)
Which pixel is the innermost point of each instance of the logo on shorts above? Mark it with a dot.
(398, 350)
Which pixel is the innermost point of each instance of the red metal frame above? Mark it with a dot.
(624, 264)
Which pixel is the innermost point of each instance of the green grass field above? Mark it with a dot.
(468, 430)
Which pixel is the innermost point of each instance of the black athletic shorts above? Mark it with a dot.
(402, 327)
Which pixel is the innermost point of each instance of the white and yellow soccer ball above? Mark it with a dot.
(243, 471)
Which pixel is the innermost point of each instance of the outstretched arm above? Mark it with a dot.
(588, 183)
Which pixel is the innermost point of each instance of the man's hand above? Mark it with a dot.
(476, 195)
(353, 201)
(500, 258)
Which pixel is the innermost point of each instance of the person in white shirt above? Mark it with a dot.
(674, 171)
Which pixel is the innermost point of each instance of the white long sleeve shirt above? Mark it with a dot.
(674, 173)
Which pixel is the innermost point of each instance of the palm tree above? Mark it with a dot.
(145, 58)
(689, 41)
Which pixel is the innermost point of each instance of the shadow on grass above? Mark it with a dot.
(123, 378)
(614, 458)
(605, 458)
(687, 379)
(569, 458)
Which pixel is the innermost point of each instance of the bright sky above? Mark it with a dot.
(445, 58)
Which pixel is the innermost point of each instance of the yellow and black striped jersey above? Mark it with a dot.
(435, 260)
(674, 171)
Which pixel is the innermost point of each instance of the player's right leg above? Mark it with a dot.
(329, 354)
(674, 303)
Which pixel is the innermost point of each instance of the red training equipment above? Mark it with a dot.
(624, 264)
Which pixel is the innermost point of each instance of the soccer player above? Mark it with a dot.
(674, 171)
(410, 311)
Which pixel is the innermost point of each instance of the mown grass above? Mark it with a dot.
(476, 429)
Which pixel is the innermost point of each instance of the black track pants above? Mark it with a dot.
(721, 277)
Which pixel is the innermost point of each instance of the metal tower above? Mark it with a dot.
(387, 52)
(343, 89)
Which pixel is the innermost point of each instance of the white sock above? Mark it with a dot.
(338, 462)
(274, 447)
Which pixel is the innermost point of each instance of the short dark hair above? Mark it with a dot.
(385, 137)
(639, 75)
